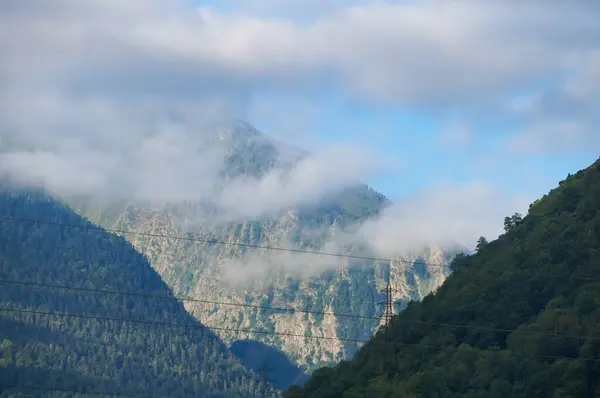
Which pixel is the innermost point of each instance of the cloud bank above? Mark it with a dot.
(447, 217)
(122, 98)
(169, 163)
(427, 52)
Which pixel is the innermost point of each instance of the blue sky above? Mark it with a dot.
(413, 133)
(414, 139)
(445, 107)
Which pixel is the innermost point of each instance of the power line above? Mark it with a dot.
(218, 242)
(388, 315)
(168, 324)
(274, 248)
(182, 325)
(190, 299)
(92, 227)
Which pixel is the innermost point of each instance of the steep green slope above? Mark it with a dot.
(200, 270)
(520, 318)
(87, 353)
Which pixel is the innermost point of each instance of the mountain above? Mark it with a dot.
(520, 318)
(84, 338)
(273, 278)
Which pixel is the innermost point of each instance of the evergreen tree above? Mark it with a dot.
(481, 243)
(510, 223)
(90, 350)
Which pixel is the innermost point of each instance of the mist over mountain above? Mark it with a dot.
(229, 167)
(228, 182)
(225, 139)
(274, 195)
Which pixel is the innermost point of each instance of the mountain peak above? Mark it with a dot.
(237, 131)
(251, 153)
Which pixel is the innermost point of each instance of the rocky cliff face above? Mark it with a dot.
(218, 274)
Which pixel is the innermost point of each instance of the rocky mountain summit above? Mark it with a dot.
(246, 271)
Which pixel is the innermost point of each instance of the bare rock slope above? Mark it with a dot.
(217, 274)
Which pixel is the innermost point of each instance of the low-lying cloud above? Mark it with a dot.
(124, 99)
(448, 218)
(176, 163)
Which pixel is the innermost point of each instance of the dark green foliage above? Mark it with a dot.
(91, 354)
(520, 318)
(510, 223)
(481, 243)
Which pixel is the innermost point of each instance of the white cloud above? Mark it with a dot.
(445, 216)
(556, 136)
(448, 216)
(562, 119)
(262, 266)
(426, 52)
(585, 84)
(153, 156)
(113, 95)
(320, 174)
(440, 55)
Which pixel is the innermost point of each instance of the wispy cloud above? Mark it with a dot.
(123, 98)
(169, 162)
(427, 52)
(445, 218)
(556, 136)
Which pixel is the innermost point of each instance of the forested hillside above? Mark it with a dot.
(520, 318)
(96, 348)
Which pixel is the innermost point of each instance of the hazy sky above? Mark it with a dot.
(461, 111)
